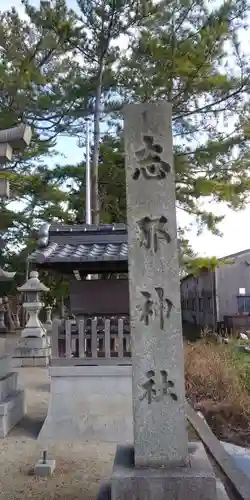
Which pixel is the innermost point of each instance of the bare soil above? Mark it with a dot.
(81, 468)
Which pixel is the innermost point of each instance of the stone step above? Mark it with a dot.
(11, 412)
(8, 385)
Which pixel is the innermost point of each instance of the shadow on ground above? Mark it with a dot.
(29, 427)
(104, 492)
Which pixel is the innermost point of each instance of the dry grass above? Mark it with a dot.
(215, 386)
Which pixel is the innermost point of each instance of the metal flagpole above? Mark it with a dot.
(88, 217)
(88, 178)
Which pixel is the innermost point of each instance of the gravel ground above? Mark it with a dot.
(80, 468)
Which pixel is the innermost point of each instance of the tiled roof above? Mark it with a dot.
(80, 253)
(81, 244)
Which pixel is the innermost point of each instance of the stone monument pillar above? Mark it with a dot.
(160, 464)
(34, 348)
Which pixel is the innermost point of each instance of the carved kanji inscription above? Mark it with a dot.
(150, 163)
(157, 386)
(160, 307)
(153, 230)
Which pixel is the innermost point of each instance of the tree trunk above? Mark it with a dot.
(95, 208)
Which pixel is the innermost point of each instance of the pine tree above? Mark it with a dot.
(36, 77)
(93, 33)
(191, 55)
(61, 67)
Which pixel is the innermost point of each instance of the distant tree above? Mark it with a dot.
(60, 67)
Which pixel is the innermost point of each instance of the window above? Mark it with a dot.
(243, 303)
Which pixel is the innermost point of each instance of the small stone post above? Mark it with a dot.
(33, 349)
(159, 464)
(48, 322)
(44, 467)
(4, 276)
(48, 310)
(8, 315)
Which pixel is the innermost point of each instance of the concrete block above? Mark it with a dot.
(8, 385)
(11, 412)
(194, 481)
(44, 469)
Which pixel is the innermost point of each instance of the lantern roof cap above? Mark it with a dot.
(33, 284)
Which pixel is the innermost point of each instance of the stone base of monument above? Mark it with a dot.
(89, 403)
(105, 492)
(32, 351)
(12, 400)
(195, 481)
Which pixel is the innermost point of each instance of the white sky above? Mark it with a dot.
(235, 225)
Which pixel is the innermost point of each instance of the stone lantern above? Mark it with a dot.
(33, 289)
(33, 348)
